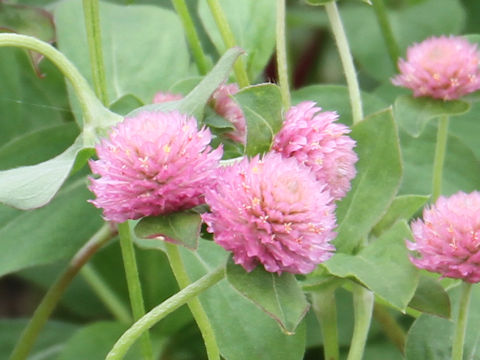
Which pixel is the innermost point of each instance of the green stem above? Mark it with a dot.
(347, 60)
(106, 294)
(54, 294)
(325, 308)
(386, 29)
(158, 313)
(390, 326)
(194, 304)
(92, 25)
(461, 325)
(282, 66)
(363, 305)
(193, 40)
(92, 108)
(440, 150)
(229, 41)
(133, 283)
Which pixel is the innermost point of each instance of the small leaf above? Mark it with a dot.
(126, 104)
(194, 102)
(430, 297)
(279, 296)
(379, 171)
(383, 266)
(262, 107)
(181, 228)
(413, 114)
(30, 187)
(402, 207)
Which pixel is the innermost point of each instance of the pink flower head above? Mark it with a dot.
(162, 97)
(447, 241)
(314, 139)
(440, 67)
(272, 211)
(152, 164)
(225, 106)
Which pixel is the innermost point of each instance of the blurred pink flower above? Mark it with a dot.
(447, 241)
(154, 163)
(272, 211)
(225, 106)
(440, 67)
(314, 139)
(161, 97)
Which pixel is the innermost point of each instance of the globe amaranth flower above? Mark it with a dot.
(161, 97)
(151, 164)
(272, 211)
(314, 139)
(447, 241)
(225, 106)
(440, 67)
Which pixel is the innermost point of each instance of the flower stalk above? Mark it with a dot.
(439, 160)
(386, 30)
(461, 324)
(158, 313)
(282, 65)
(54, 294)
(325, 308)
(133, 283)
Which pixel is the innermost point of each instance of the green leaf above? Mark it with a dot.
(461, 168)
(402, 207)
(49, 234)
(232, 316)
(49, 343)
(336, 98)
(30, 187)
(262, 107)
(182, 228)
(413, 114)
(195, 101)
(383, 266)
(126, 104)
(253, 26)
(95, 341)
(430, 337)
(279, 296)
(379, 171)
(467, 127)
(318, 2)
(139, 60)
(430, 297)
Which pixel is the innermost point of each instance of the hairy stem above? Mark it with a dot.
(282, 66)
(440, 150)
(325, 308)
(347, 60)
(158, 313)
(229, 41)
(386, 30)
(92, 25)
(192, 37)
(390, 326)
(54, 294)
(133, 283)
(461, 324)
(194, 304)
(363, 305)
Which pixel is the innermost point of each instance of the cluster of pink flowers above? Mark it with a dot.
(447, 240)
(440, 67)
(276, 210)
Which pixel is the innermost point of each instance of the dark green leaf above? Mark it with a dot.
(181, 228)
(253, 26)
(412, 114)
(379, 171)
(262, 107)
(279, 296)
(126, 104)
(383, 266)
(402, 207)
(49, 234)
(430, 337)
(430, 297)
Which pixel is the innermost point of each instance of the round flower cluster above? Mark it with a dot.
(152, 164)
(440, 67)
(314, 139)
(272, 211)
(447, 241)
